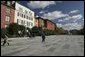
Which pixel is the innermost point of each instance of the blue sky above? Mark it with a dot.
(66, 14)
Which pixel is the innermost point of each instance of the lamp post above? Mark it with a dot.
(26, 32)
(19, 32)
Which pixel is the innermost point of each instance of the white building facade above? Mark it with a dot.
(24, 16)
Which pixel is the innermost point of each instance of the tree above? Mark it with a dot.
(3, 32)
(60, 30)
(13, 29)
(81, 31)
(22, 29)
(35, 31)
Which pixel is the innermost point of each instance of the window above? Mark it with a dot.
(18, 21)
(8, 3)
(31, 24)
(20, 9)
(27, 17)
(17, 13)
(22, 22)
(31, 18)
(27, 24)
(24, 16)
(30, 14)
(6, 25)
(7, 18)
(26, 12)
(8, 10)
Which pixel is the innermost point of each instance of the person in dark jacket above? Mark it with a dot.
(43, 36)
(5, 40)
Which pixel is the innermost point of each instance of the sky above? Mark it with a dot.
(66, 14)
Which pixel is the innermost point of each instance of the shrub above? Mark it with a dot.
(13, 29)
(49, 32)
(35, 31)
(3, 32)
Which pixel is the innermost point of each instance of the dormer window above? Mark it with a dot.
(8, 3)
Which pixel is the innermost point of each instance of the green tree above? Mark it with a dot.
(60, 30)
(81, 31)
(13, 29)
(35, 31)
(3, 32)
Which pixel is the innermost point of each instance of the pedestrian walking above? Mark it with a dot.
(43, 36)
(5, 40)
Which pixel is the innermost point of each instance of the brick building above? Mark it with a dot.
(7, 13)
(47, 24)
(39, 22)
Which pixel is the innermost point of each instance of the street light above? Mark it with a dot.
(19, 32)
(26, 31)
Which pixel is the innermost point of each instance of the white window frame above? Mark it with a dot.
(7, 18)
(18, 21)
(6, 25)
(18, 13)
(31, 24)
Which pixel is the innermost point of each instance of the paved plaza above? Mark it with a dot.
(55, 45)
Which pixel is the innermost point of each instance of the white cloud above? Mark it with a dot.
(70, 26)
(59, 25)
(74, 11)
(43, 12)
(79, 16)
(37, 16)
(54, 15)
(67, 18)
(73, 18)
(58, 14)
(83, 19)
(40, 4)
(60, 20)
